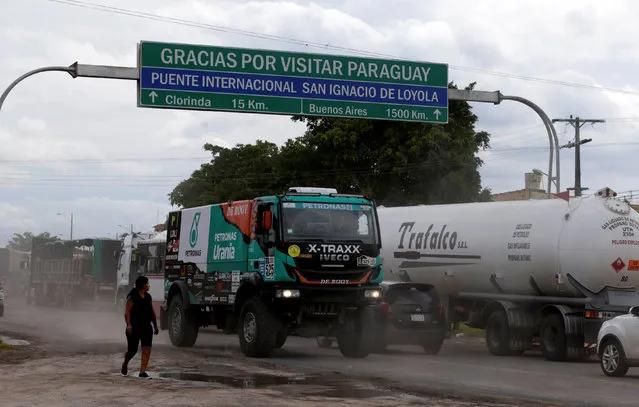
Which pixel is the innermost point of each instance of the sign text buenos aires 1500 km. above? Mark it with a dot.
(195, 77)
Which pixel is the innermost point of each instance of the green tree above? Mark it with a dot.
(241, 172)
(397, 163)
(22, 241)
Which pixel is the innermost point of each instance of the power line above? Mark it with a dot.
(212, 27)
(310, 175)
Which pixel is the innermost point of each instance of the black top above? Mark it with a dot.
(142, 311)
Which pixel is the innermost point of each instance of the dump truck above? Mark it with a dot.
(65, 273)
(534, 274)
(305, 262)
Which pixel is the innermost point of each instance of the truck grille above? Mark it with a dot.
(352, 275)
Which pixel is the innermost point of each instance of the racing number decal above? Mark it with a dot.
(269, 273)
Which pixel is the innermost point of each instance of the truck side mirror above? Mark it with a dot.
(634, 311)
(267, 220)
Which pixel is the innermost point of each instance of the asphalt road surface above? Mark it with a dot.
(463, 366)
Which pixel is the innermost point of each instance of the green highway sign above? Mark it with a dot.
(195, 77)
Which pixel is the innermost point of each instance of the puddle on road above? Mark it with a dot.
(246, 382)
(298, 385)
(13, 342)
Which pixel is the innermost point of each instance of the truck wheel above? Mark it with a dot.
(324, 342)
(380, 341)
(613, 359)
(2, 311)
(40, 298)
(257, 329)
(553, 338)
(120, 302)
(280, 340)
(433, 344)
(498, 335)
(182, 328)
(359, 341)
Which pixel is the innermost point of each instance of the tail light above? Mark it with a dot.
(593, 315)
(384, 306)
(442, 311)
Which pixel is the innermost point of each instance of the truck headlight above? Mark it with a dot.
(287, 294)
(372, 294)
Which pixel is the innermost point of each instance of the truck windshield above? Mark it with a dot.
(329, 222)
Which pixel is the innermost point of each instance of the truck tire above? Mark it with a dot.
(380, 341)
(359, 341)
(433, 343)
(257, 329)
(553, 338)
(280, 340)
(182, 327)
(498, 335)
(613, 358)
(2, 311)
(120, 301)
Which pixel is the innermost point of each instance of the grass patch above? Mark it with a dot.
(472, 332)
(4, 346)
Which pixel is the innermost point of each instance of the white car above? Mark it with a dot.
(618, 343)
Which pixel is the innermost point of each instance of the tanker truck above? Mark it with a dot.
(537, 273)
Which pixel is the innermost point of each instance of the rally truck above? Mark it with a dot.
(305, 262)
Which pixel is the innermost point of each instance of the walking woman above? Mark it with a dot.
(139, 315)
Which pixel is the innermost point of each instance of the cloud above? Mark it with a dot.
(82, 145)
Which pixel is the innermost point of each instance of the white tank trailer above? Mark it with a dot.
(538, 272)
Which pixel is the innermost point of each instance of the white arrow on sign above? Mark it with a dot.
(153, 95)
(437, 113)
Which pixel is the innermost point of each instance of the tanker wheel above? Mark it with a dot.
(324, 342)
(498, 335)
(553, 338)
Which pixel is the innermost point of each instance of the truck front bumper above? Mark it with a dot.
(370, 294)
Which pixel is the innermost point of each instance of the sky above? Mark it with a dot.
(83, 147)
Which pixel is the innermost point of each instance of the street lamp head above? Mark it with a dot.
(538, 171)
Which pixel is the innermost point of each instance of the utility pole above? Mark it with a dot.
(576, 122)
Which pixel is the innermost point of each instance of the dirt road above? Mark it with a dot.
(73, 359)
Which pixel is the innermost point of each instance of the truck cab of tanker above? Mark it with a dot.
(304, 262)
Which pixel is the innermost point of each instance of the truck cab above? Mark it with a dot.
(127, 267)
(304, 262)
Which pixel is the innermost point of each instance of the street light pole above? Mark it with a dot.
(71, 231)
